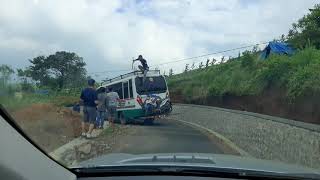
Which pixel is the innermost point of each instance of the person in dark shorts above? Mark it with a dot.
(90, 101)
(112, 98)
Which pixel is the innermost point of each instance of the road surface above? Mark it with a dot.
(167, 136)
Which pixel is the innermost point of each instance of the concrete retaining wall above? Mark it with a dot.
(261, 136)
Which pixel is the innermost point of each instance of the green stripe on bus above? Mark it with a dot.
(133, 113)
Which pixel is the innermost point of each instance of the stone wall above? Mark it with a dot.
(261, 136)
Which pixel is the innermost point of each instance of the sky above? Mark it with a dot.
(108, 34)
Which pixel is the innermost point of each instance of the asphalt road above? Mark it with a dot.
(167, 136)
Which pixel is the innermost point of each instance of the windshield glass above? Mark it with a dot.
(102, 82)
(151, 85)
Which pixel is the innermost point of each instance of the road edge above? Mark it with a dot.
(58, 152)
(290, 122)
(219, 136)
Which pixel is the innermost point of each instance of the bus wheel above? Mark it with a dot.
(123, 120)
(148, 121)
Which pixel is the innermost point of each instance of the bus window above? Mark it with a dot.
(130, 89)
(125, 90)
(117, 88)
(152, 85)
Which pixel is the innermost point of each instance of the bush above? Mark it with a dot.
(305, 81)
(247, 60)
(273, 71)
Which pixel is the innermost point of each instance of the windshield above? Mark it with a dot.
(150, 85)
(96, 82)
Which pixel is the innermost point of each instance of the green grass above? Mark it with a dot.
(298, 75)
(13, 103)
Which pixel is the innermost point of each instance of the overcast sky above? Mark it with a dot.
(108, 33)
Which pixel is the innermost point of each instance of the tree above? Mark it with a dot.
(200, 65)
(6, 72)
(213, 61)
(282, 38)
(186, 68)
(307, 30)
(39, 71)
(222, 59)
(23, 77)
(207, 63)
(60, 70)
(192, 66)
(255, 48)
(171, 72)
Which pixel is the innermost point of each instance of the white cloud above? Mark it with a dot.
(109, 33)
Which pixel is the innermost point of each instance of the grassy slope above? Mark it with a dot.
(299, 75)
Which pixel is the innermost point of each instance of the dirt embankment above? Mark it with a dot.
(47, 125)
(272, 102)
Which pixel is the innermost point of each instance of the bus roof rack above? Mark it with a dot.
(134, 73)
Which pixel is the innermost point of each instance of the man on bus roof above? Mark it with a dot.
(144, 68)
(143, 62)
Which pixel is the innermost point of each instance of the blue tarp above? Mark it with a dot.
(276, 48)
(42, 92)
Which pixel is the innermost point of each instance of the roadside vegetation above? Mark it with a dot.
(248, 74)
(15, 102)
(298, 75)
(35, 97)
(56, 79)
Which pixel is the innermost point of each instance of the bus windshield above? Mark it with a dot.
(151, 85)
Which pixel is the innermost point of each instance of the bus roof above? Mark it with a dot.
(130, 74)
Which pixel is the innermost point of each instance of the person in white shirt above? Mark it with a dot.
(113, 100)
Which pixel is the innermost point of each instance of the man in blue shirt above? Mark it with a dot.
(90, 100)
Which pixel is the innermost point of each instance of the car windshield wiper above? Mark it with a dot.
(120, 170)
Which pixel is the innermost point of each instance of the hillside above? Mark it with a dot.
(286, 86)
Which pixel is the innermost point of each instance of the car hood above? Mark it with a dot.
(198, 159)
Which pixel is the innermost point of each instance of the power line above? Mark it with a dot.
(218, 52)
(190, 58)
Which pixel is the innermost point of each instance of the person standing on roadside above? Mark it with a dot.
(112, 98)
(102, 107)
(90, 100)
